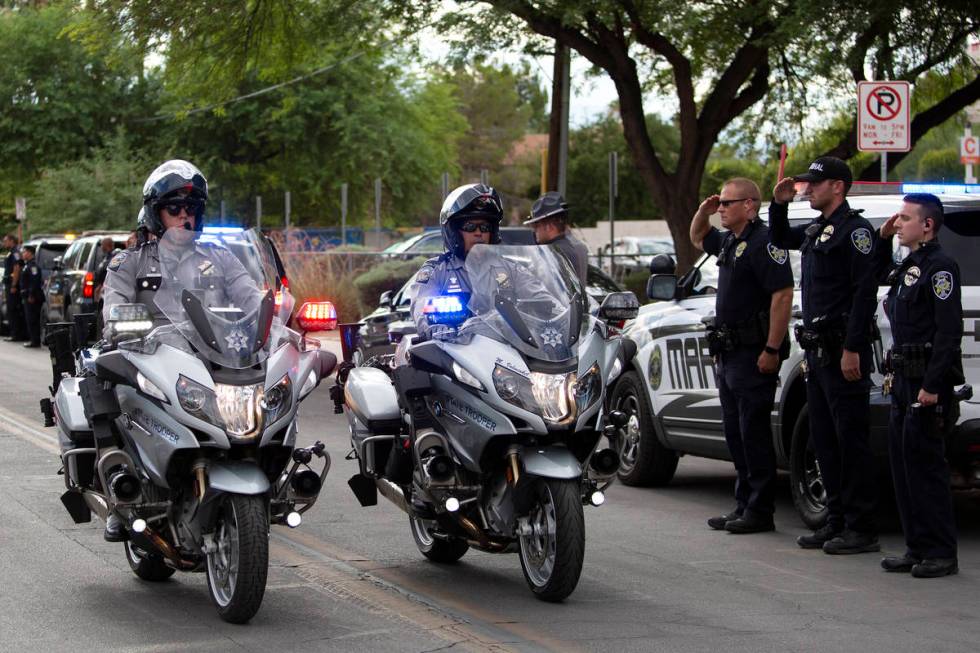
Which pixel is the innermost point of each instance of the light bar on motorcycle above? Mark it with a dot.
(317, 316)
(444, 309)
(129, 320)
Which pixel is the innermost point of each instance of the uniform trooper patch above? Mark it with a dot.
(862, 240)
(777, 254)
(740, 249)
(424, 275)
(912, 275)
(827, 232)
(942, 284)
(118, 260)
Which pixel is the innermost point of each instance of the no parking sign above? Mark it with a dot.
(883, 116)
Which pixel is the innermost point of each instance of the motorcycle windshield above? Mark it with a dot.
(219, 290)
(529, 297)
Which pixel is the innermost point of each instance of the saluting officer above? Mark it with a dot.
(752, 309)
(32, 296)
(838, 288)
(926, 317)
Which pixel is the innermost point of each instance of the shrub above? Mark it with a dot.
(317, 278)
(389, 275)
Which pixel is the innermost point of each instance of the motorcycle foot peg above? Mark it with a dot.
(364, 489)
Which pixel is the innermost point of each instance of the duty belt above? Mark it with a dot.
(726, 337)
(909, 360)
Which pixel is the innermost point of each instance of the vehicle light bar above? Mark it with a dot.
(317, 316)
(942, 189)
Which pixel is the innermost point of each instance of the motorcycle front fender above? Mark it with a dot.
(236, 477)
(550, 462)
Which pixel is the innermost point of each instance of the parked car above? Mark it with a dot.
(49, 248)
(632, 254)
(671, 397)
(70, 286)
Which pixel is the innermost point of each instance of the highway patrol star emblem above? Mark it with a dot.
(551, 337)
(827, 232)
(912, 275)
(777, 254)
(237, 340)
(942, 284)
(861, 238)
(740, 249)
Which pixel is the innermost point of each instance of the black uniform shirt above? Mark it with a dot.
(923, 306)
(9, 263)
(750, 270)
(837, 275)
(31, 282)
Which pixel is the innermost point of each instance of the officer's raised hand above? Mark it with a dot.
(850, 365)
(710, 205)
(890, 227)
(784, 191)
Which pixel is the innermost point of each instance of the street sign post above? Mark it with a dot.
(883, 117)
(969, 154)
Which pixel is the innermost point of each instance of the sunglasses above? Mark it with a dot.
(730, 202)
(470, 227)
(174, 208)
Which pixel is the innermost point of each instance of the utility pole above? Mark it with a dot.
(343, 214)
(555, 168)
(377, 212)
(258, 212)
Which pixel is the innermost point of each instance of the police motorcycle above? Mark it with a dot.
(187, 431)
(488, 436)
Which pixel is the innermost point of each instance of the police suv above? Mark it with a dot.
(671, 394)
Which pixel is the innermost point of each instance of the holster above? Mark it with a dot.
(909, 360)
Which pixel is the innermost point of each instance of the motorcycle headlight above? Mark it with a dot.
(240, 409)
(199, 401)
(554, 394)
(278, 399)
(588, 388)
(515, 389)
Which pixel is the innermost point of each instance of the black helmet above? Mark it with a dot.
(174, 176)
(549, 205)
(469, 201)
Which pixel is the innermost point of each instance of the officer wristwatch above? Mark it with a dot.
(770, 350)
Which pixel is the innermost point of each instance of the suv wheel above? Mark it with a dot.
(643, 460)
(806, 483)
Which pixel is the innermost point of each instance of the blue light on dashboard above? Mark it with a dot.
(942, 189)
(444, 309)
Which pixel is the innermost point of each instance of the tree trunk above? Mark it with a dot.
(555, 121)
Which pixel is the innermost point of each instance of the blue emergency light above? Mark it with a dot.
(444, 309)
(942, 189)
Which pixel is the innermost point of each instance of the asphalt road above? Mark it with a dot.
(655, 578)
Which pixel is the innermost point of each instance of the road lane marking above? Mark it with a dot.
(19, 428)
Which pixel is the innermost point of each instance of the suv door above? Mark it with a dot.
(75, 301)
(58, 283)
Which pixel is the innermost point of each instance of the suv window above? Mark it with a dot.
(71, 256)
(86, 254)
(960, 236)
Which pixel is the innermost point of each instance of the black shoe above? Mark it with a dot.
(718, 523)
(901, 564)
(32, 345)
(850, 542)
(750, 523)
(816, 539)
(935, 568)
(115, 529)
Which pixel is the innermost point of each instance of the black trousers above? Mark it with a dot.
(15, 315)
(840, 415)
(747, 397)
(32, 317)
(916, 452)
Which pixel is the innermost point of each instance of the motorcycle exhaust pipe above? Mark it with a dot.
(393, 493)
(604, 463)
(305, 484)
(124, 486)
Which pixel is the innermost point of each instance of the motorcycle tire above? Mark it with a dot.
(241, 535)
(552, 556)
(146, 565)
(434, 548)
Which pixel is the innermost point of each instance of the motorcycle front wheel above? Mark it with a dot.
(239, 563)
(553, 551)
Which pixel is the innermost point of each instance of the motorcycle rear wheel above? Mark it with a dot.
(147, 565)
(434, 548)
(238, 567)
(552, 555)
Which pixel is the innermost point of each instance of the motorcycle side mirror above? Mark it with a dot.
(618, 306)
(662, 264)
(662, 287)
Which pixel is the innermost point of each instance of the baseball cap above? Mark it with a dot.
(548, 205)
(827, 167)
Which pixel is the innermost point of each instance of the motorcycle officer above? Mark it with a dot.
(174, 198)
(470, 216)
(549, 220)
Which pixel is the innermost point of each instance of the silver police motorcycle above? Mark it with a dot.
(489, 438)
(187, 431)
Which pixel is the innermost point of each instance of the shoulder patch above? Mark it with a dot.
(942, 284)
(424, 275)
(861, 238)
(777, 254)
(118, 260)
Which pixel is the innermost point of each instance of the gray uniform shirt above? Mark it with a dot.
(134, 275)
(577, 254)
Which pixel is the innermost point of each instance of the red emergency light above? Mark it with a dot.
(317, 316)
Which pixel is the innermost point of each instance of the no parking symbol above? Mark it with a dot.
(883, 116)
